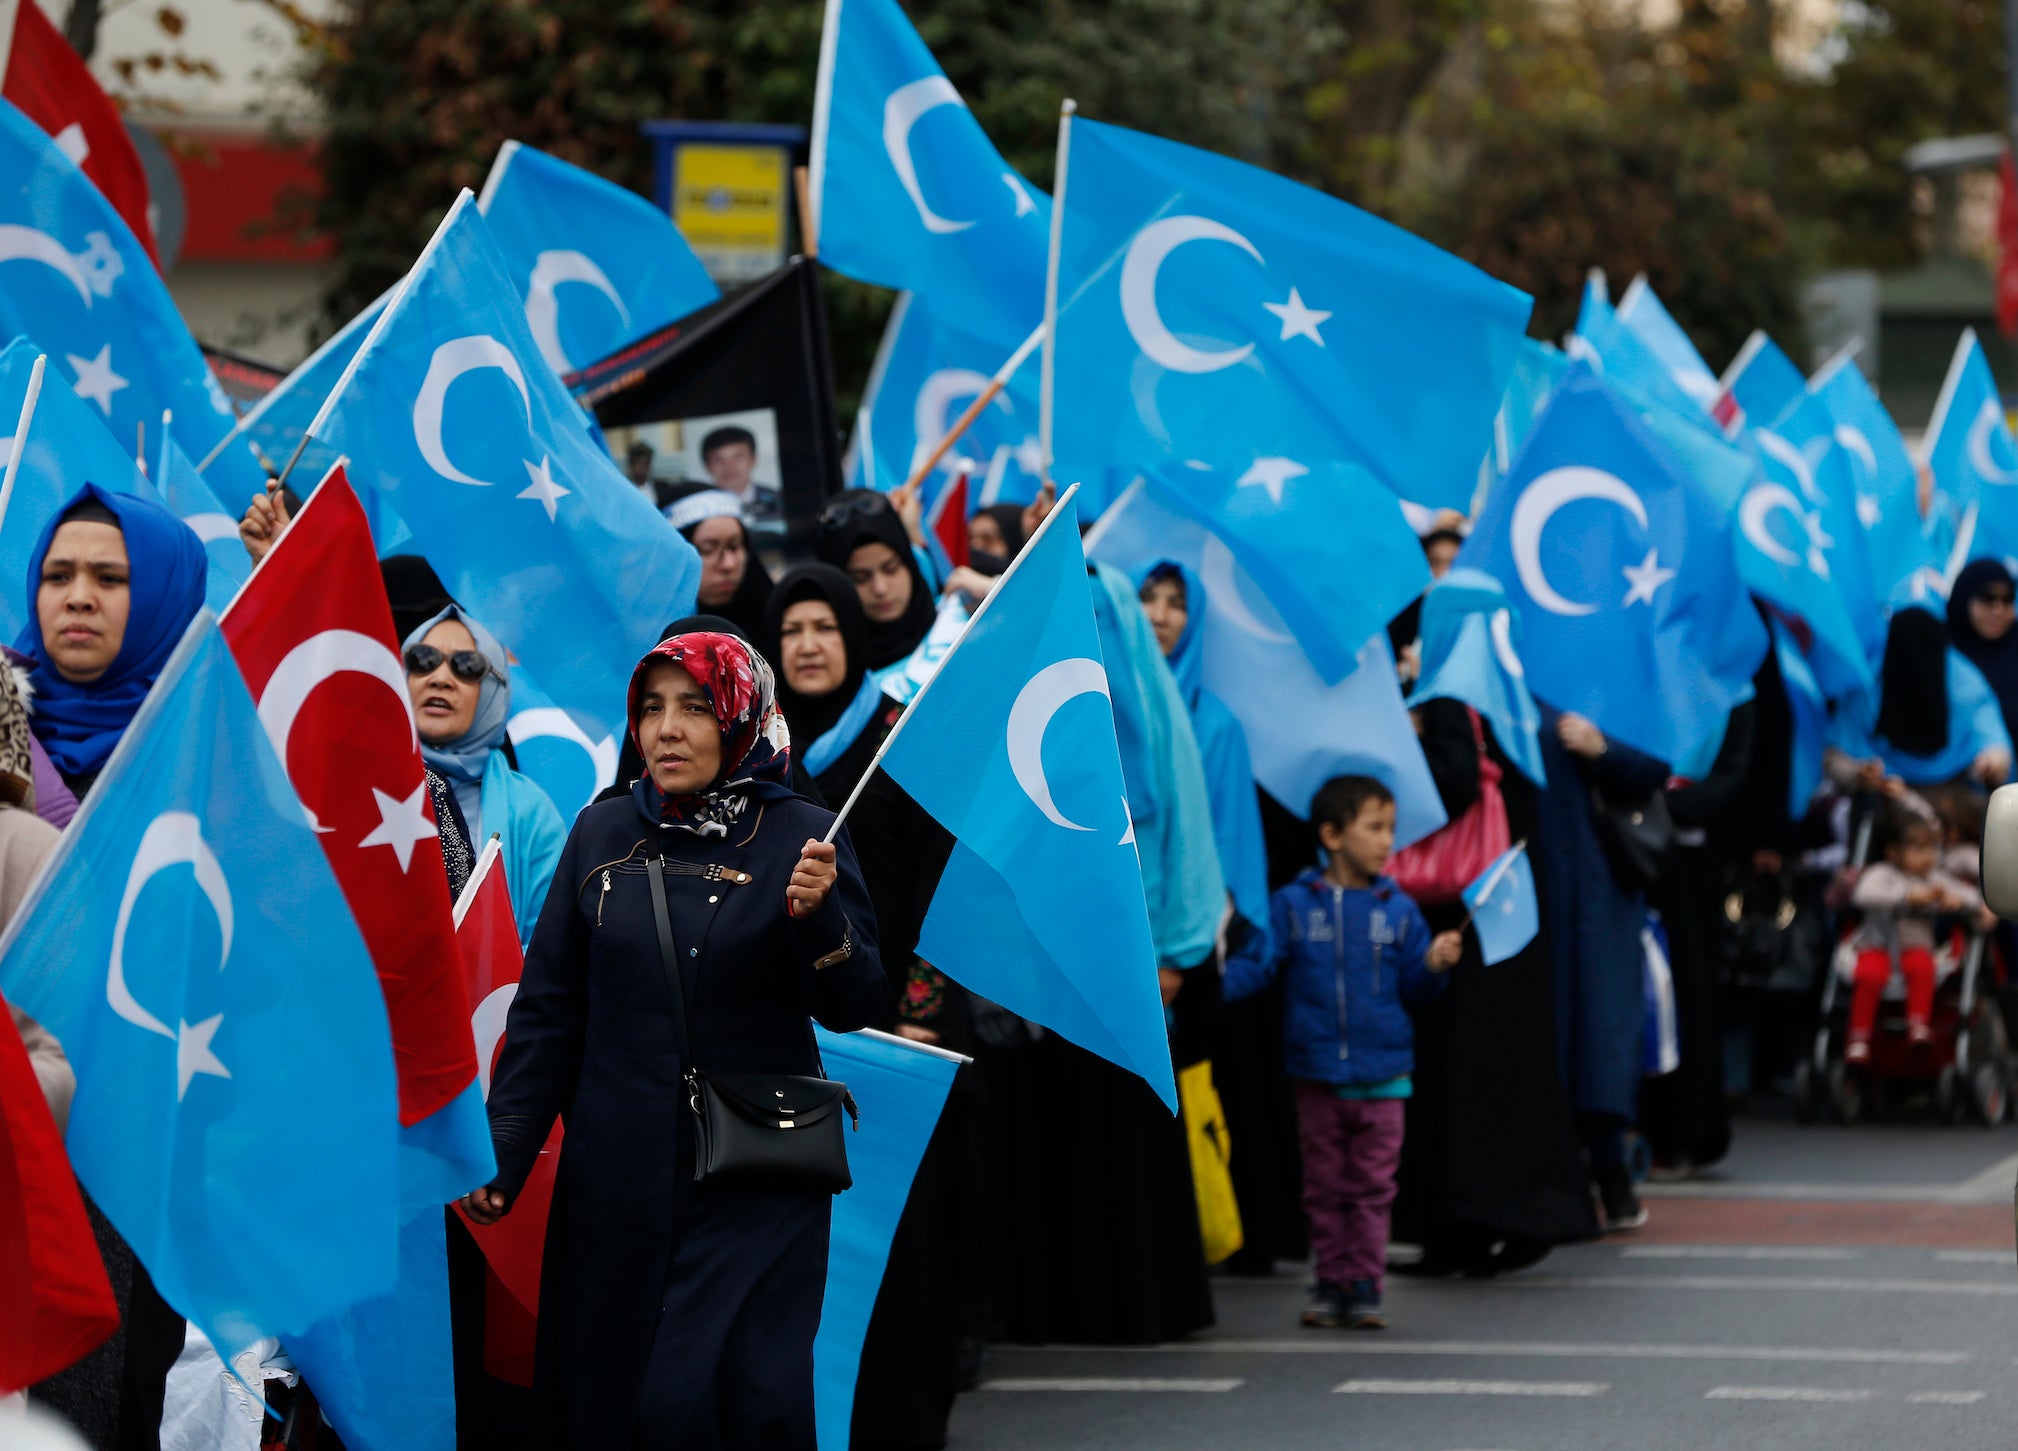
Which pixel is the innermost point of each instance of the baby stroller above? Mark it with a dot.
(1968, 1065)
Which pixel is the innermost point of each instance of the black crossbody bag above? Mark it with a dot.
(775, 1131)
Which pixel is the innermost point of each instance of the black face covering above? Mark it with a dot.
(857, 517)
(812, 716)
(1913, 699)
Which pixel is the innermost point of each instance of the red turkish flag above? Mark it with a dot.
(55, 1302)
(49, 81)
(489, 940)
(312, 635)
(948, 521)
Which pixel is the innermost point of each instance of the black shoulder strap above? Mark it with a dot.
(668, 957)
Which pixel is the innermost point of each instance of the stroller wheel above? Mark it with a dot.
(1989, 1093)
(1807, 1094)
(1847, 1093)
(1951, 1097)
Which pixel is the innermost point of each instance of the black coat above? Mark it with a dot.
(591, 1036)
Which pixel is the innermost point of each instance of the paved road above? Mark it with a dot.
(1828, 1288)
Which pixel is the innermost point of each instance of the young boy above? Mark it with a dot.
(1354, 948)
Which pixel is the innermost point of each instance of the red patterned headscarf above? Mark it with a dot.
(756, 746)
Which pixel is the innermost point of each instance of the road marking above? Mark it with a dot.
(1811, 1394)
(1994, 1183)
(1993, 1186)
(1733, 1252)
(1567, 1388)
(1833, 1395)
(1644, 1283)
(1608, 1350)
(1108, 1383)
(1975, 1256)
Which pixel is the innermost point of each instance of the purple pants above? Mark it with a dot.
(1351, 1149)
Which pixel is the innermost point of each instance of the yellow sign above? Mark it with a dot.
(730, 203)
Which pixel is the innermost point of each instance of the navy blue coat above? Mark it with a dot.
(1350, 959)
(678, 1312)
(1594, 924)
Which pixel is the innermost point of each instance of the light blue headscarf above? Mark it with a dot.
(1164, 776)
(1222, 749)
(461, 761)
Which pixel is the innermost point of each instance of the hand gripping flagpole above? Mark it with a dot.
(952, 650)
(1044, 385)
(21, 433)
(975, 409)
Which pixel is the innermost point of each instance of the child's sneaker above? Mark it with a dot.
(1622, 1208)
(1326, 1309)
(1362, 1307)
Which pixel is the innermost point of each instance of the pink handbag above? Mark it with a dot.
(1438, 868)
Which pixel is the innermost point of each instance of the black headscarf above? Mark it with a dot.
(1997, 659)
(856, 517)
(1009, 521)
(744, 608)
(414, 591)
(1913, 699)
(812, 716)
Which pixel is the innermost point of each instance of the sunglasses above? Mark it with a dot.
(470, 665)
(1995, 597)
(844, 511)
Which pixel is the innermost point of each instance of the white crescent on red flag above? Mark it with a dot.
(49, 81)
(313, 636)
(488, 938)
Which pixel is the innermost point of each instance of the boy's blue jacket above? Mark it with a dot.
(1352, 957)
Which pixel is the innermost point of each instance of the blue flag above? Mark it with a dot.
(1884, 476)
(94, 303)
(909, 192)
(273, 426)
(1504, 912)
(1300, 731)
(556, 750)
(480, 451)
(926, 374)
(1974, 461)
(1283, 520)
(188, 945)
(1763, 381)
(1470, 645)
(558, 224)
(1613, 554)
(1803, 452)
(67, 446)
(1213, 311)
(182, 490)
(1538, 367)
(1810, 722)
(1624, 360)
(1012, 750)
(1642, 314)
(901, 1088)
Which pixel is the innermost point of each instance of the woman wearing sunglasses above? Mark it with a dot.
(1980, 619)
(455, 672)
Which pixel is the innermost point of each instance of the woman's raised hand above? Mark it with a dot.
(266, 518)
(812, 879)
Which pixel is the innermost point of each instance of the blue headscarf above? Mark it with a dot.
(464, 758)
(1164, 775)
(79, 723)
(1222, 748)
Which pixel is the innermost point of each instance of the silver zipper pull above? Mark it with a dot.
(599, 899)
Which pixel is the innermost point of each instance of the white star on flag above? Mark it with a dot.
(95, 378)
(1645, 577)
(1271, 474)
(1869, 510)
(401, 823)
(543, 487)
(1297, 319)
(194, 1055)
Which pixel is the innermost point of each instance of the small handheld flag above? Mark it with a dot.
(1504, 912)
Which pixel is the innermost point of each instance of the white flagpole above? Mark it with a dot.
(952, 650)
(21, 434)
(1051, 285)
(1493, 877)
(477, 873)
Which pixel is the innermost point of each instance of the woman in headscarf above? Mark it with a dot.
(862, 535)
(677, 1313)
(1930, 718)
(1980, 619)
(994, 535)
(455, 672)
(734, 583)
(113, 583)
(815, 630)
